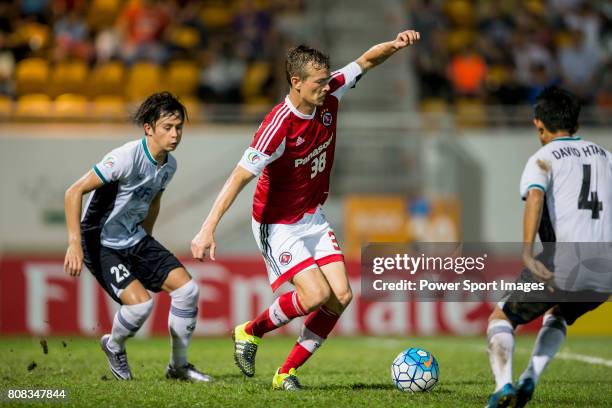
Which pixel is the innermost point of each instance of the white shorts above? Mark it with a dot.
(289, 249)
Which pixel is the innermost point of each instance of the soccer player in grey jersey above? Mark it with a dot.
(114, 236)
(567, 188)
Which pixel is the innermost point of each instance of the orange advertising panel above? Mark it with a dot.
(385, 218)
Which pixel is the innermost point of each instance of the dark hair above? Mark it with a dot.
(158, 105)
(558, 110)
(298, 57)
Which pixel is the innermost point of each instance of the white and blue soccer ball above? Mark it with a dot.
(414, 370)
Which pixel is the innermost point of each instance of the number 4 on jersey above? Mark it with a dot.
(584, 201)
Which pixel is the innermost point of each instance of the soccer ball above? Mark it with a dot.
(415, 369)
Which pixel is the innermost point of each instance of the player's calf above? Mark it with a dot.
(182, 320)
(500, 336)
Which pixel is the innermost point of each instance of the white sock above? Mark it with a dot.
(126, 323)
(501, 346)
(549, 340)
(182, 321)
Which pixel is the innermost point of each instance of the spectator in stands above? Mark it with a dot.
(107, 44)
(496, 25)
(252, 27)
(39, 9)
(221, 80)
(72, 36)
(578, 64)
(143, 27)
(528, 54)
(467, 72)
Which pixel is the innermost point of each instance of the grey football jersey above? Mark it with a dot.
(132, 178)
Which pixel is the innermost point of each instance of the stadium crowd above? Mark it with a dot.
(505, 52)
(109, 52)
(212, 51)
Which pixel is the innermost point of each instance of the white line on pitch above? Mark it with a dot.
(564, 355)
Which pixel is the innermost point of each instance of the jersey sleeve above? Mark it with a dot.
(114, 166)
(537, 174)
(344, 79)
(268, 143)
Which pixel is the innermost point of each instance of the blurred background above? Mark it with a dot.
(431, 144)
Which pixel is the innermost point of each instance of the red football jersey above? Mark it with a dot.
(296, 153)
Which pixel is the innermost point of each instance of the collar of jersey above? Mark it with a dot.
(297, 112)
(561, 139)
(148, 154)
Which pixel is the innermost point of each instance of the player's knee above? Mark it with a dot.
(134, 296)
(316, 297)
(345, 297)
(498, 314)
(137, 313)
(187, 296)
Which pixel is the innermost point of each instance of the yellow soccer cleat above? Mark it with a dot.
(245, 348)
(286, 381)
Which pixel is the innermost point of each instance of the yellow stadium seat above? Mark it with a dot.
(31, 76)
(71, 106)
(109, 107)
(194, 108)
(34, 105)
(433, 105)
(216, 16)
(6, 106)
(461, 12)
(182, 78)
(102, 13)
(256, 75)
(144, 79)
(470, 113)
(458, 40)
(107, 79)
(185, 37)
(68, 77)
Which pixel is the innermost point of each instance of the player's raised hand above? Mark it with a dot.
(406, 38)
(204, 241)
(73, 262)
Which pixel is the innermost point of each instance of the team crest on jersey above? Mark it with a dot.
(285, 258)
(253, 158)
(327, 118)
(109, 161)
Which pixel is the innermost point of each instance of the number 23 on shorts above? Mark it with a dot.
(120, 272)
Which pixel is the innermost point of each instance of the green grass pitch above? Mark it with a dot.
(345, 372)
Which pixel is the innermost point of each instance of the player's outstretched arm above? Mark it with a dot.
(149, 222)
(73, 262)
(380, 52)
(204, 240)
(531, 223)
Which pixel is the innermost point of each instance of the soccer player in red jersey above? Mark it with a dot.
(293, 152)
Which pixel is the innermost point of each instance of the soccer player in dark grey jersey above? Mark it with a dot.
(114, 236)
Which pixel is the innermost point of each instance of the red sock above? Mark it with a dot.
(316, 329)
(284, 309)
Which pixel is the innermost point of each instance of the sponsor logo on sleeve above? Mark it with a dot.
(109, 161)
(253, 158)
